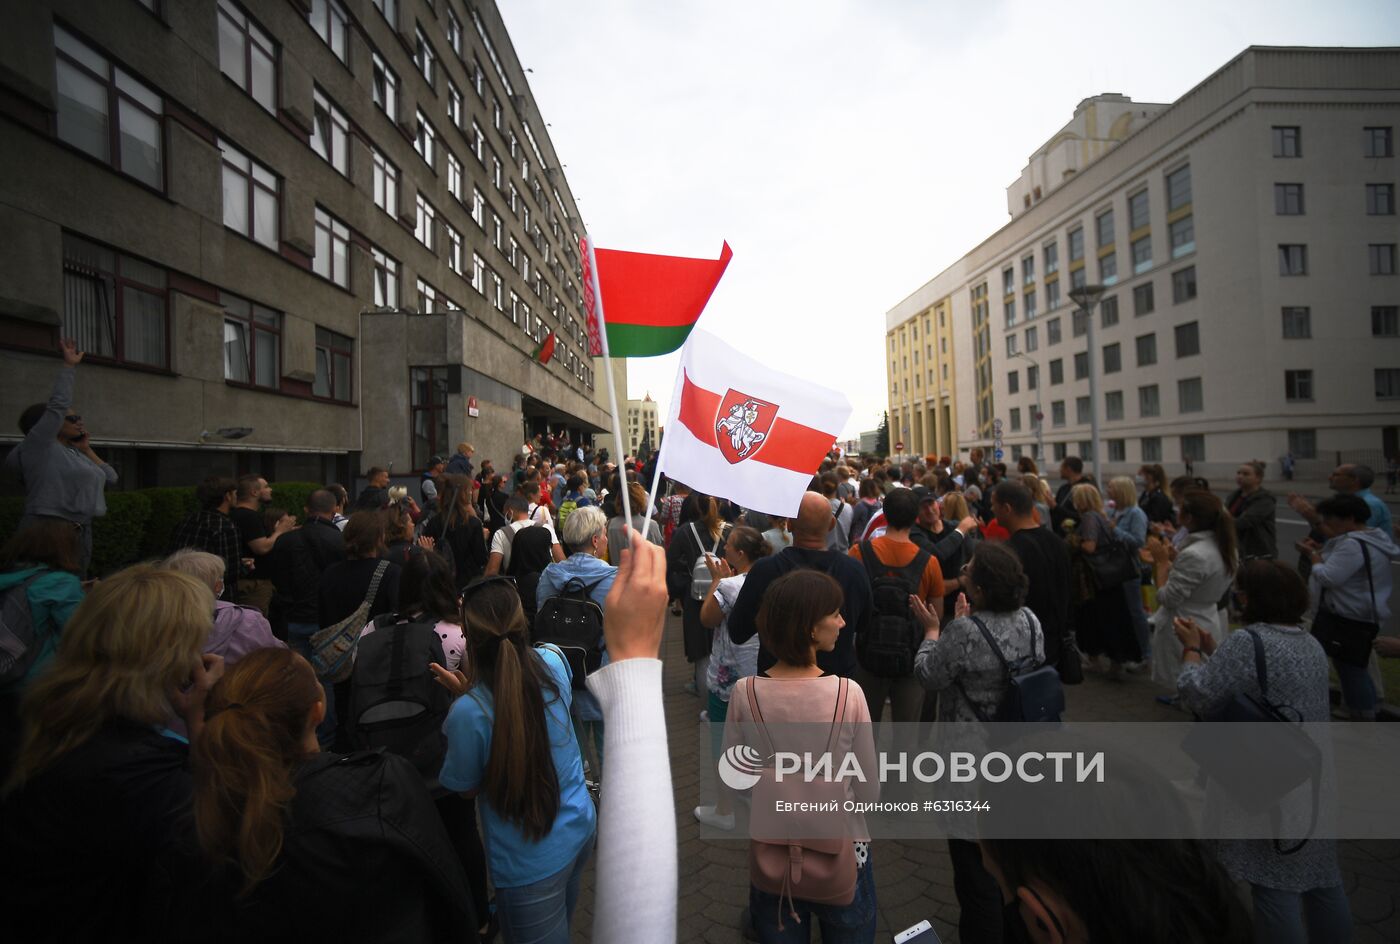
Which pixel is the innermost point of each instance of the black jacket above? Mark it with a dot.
(1255, 525)
(298, 558)
(1157, 506)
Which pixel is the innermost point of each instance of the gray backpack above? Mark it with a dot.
(17, 638)
(700, 574)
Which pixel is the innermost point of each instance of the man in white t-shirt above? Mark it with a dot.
(518, 514)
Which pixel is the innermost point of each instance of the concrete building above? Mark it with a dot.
(1247, 237)
(642, 424)
(340, 223)
(923, 374)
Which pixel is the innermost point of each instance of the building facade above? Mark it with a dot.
(923, 375)
(642, 425)
(1246, 236)
(339, 224)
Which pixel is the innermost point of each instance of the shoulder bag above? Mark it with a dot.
(1345, 639)
(333, 648)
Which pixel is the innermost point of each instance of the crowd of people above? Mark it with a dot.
(421, 718)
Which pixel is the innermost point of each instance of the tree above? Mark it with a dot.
(882, 436)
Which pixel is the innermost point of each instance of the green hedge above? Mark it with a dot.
(139, 523)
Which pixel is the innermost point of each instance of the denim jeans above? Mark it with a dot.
(1318, 914)
(299, 640)
(840, 924)
(1132, 592)
(1358, 691)
(540, 913)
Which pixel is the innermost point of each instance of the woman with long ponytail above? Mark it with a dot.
(295, 837)
(509, 739)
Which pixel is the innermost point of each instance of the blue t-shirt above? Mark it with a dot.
(515, 860)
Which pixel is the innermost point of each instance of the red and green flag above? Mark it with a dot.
(649, 303)
(545, 349)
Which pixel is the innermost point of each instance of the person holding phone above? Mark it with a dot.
(63, 477)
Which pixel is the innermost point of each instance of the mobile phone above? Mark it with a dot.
(921, 933)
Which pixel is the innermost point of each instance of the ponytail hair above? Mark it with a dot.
(520, 782)
(748, 541)
(1208, 514)
(255, 726)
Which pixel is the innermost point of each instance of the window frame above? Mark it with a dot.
(388, 275)
(331, 8)
(1183, 385)
(252, 327)
(266, 44)
(1146, 344)
(1288, 199)
(1281, 141)
(1379, 315)
(112, 286)
(386, 178)
(1380, 199)
(337, 233)
(337, 124)
(331, 346)
(437, 380)
(384, 86)
(1298, 385)
(253, 184)
(425, 57)
(1193, 336)
(424, 218)
(1184, 287)
(1295, 316)
(1381, 258)
(1144, 299)
(1383, 133)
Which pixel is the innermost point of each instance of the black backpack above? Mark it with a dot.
(574, 623)
(1033, 690)
(394, 702)
(887, 646)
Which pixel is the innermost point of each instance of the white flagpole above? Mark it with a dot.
(673, 416)
(612, 387)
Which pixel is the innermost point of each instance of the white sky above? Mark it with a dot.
(849, 151)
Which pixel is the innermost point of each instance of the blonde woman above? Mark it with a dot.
(98, 790)
(1040, 495)
(1130, 527)
(1104, 625)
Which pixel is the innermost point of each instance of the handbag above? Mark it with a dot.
(1259, 771)
(1111, 565)
(822, 871)
(1345, 639)
(1070, 667)
(333, 648)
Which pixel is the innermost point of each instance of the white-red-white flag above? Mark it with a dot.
(741, 430)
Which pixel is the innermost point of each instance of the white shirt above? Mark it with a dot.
(500, 545)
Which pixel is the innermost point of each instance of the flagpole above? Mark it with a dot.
(612, 387)
(672, 416)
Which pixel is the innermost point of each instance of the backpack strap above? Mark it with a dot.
(839, 714)
(397, 671)
(1370, 580)
(996, 650)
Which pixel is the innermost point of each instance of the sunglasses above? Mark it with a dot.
(72, 418)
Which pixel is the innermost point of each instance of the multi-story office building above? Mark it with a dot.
(1247, 237)
(338, 223)
(642, 424)
(923, 374)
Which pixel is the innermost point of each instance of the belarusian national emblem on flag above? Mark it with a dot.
(742, 425)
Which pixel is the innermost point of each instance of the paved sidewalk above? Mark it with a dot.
(913, 878)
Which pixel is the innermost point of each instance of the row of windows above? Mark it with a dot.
(1298, 384)
(1297, 321)
(1188, 344)
(1144, 302)
(1380, 199)
(1192, 447)
(1293, 258)
(1376, 141)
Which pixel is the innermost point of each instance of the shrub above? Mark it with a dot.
(11, 510)
(117, 536)
(292, 496)
(169, 506)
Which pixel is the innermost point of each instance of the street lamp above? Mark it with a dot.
(1086, 296)
(1039, 416)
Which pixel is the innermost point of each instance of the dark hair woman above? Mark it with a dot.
(1193, 584)
(800, 616)
(297, 836)
(1154, 499)
(701, 532)
(457, 531)
(509, 738)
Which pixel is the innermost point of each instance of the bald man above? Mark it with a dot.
(809, 550)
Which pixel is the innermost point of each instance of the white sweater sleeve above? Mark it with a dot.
(635, 898)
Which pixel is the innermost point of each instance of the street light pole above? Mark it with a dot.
(1086, 296)
(1039, 416)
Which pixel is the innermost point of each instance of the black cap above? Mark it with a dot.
(435, 460)
(922, 493)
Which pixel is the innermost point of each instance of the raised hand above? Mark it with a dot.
(924, 615)
(453, 680)
(71, 355)
(635, 608)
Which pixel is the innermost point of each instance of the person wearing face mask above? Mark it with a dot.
(63, 477)
(1253, 507)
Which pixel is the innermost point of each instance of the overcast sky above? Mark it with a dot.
(849, 151)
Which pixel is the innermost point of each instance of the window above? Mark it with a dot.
(479, 208)
(1183, 285)
(1057, 372)
(1287, 142)
(1057, 413)
(1303, 443)
(499, 229)
(454, 33)
(1188, 395)
(1009, 311)
(1082, 407)
(107, 113)
(1151, 448)
(1288, 199)
(423, 227)
(1385, 321)
(496, 174)
(332, 24)
(1032, 376)
(332, 259)
(1030, 305)
(1298, 385)
(1008, 281)
(386, 183)
(330, 133)
(1143, 302)
(1028, 270)
(333, 360)
(428, 412)
(1052, 295)
(427, 298)
(1182, 234)
(386, 279)
(1149, 401)
(386, 88)
(454, 247)
(1060, 451)
(454, 174)
(515, 262)
(1103, 229)
(1052, 258)
(1013, 382)
(425, 140)
(1108, 268)
(476, 141)
(1146, 350)
(1113, 405)
(1052, 331)
(1188, 339)
(1112, 358)
(1032, 340)
(390, 9)
(1142, 254)
(250, 196)
(1378, 143)
(1380, 199)
(1081, 365)
(454, 104)
(423, 55)
(1077, 278)
(247, 55)
(1076, 244)
(1108, 311)
(1297, 322)
(1193, 447)
(498, 297)
(1010, 345)
(1079, 323)
(1117, 450)
(479, 273)
(1179, 188)
(1015, 419)
(1388, 383)
(115, 307)
(1381, 258)
(1137, 210)
(252, 342)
